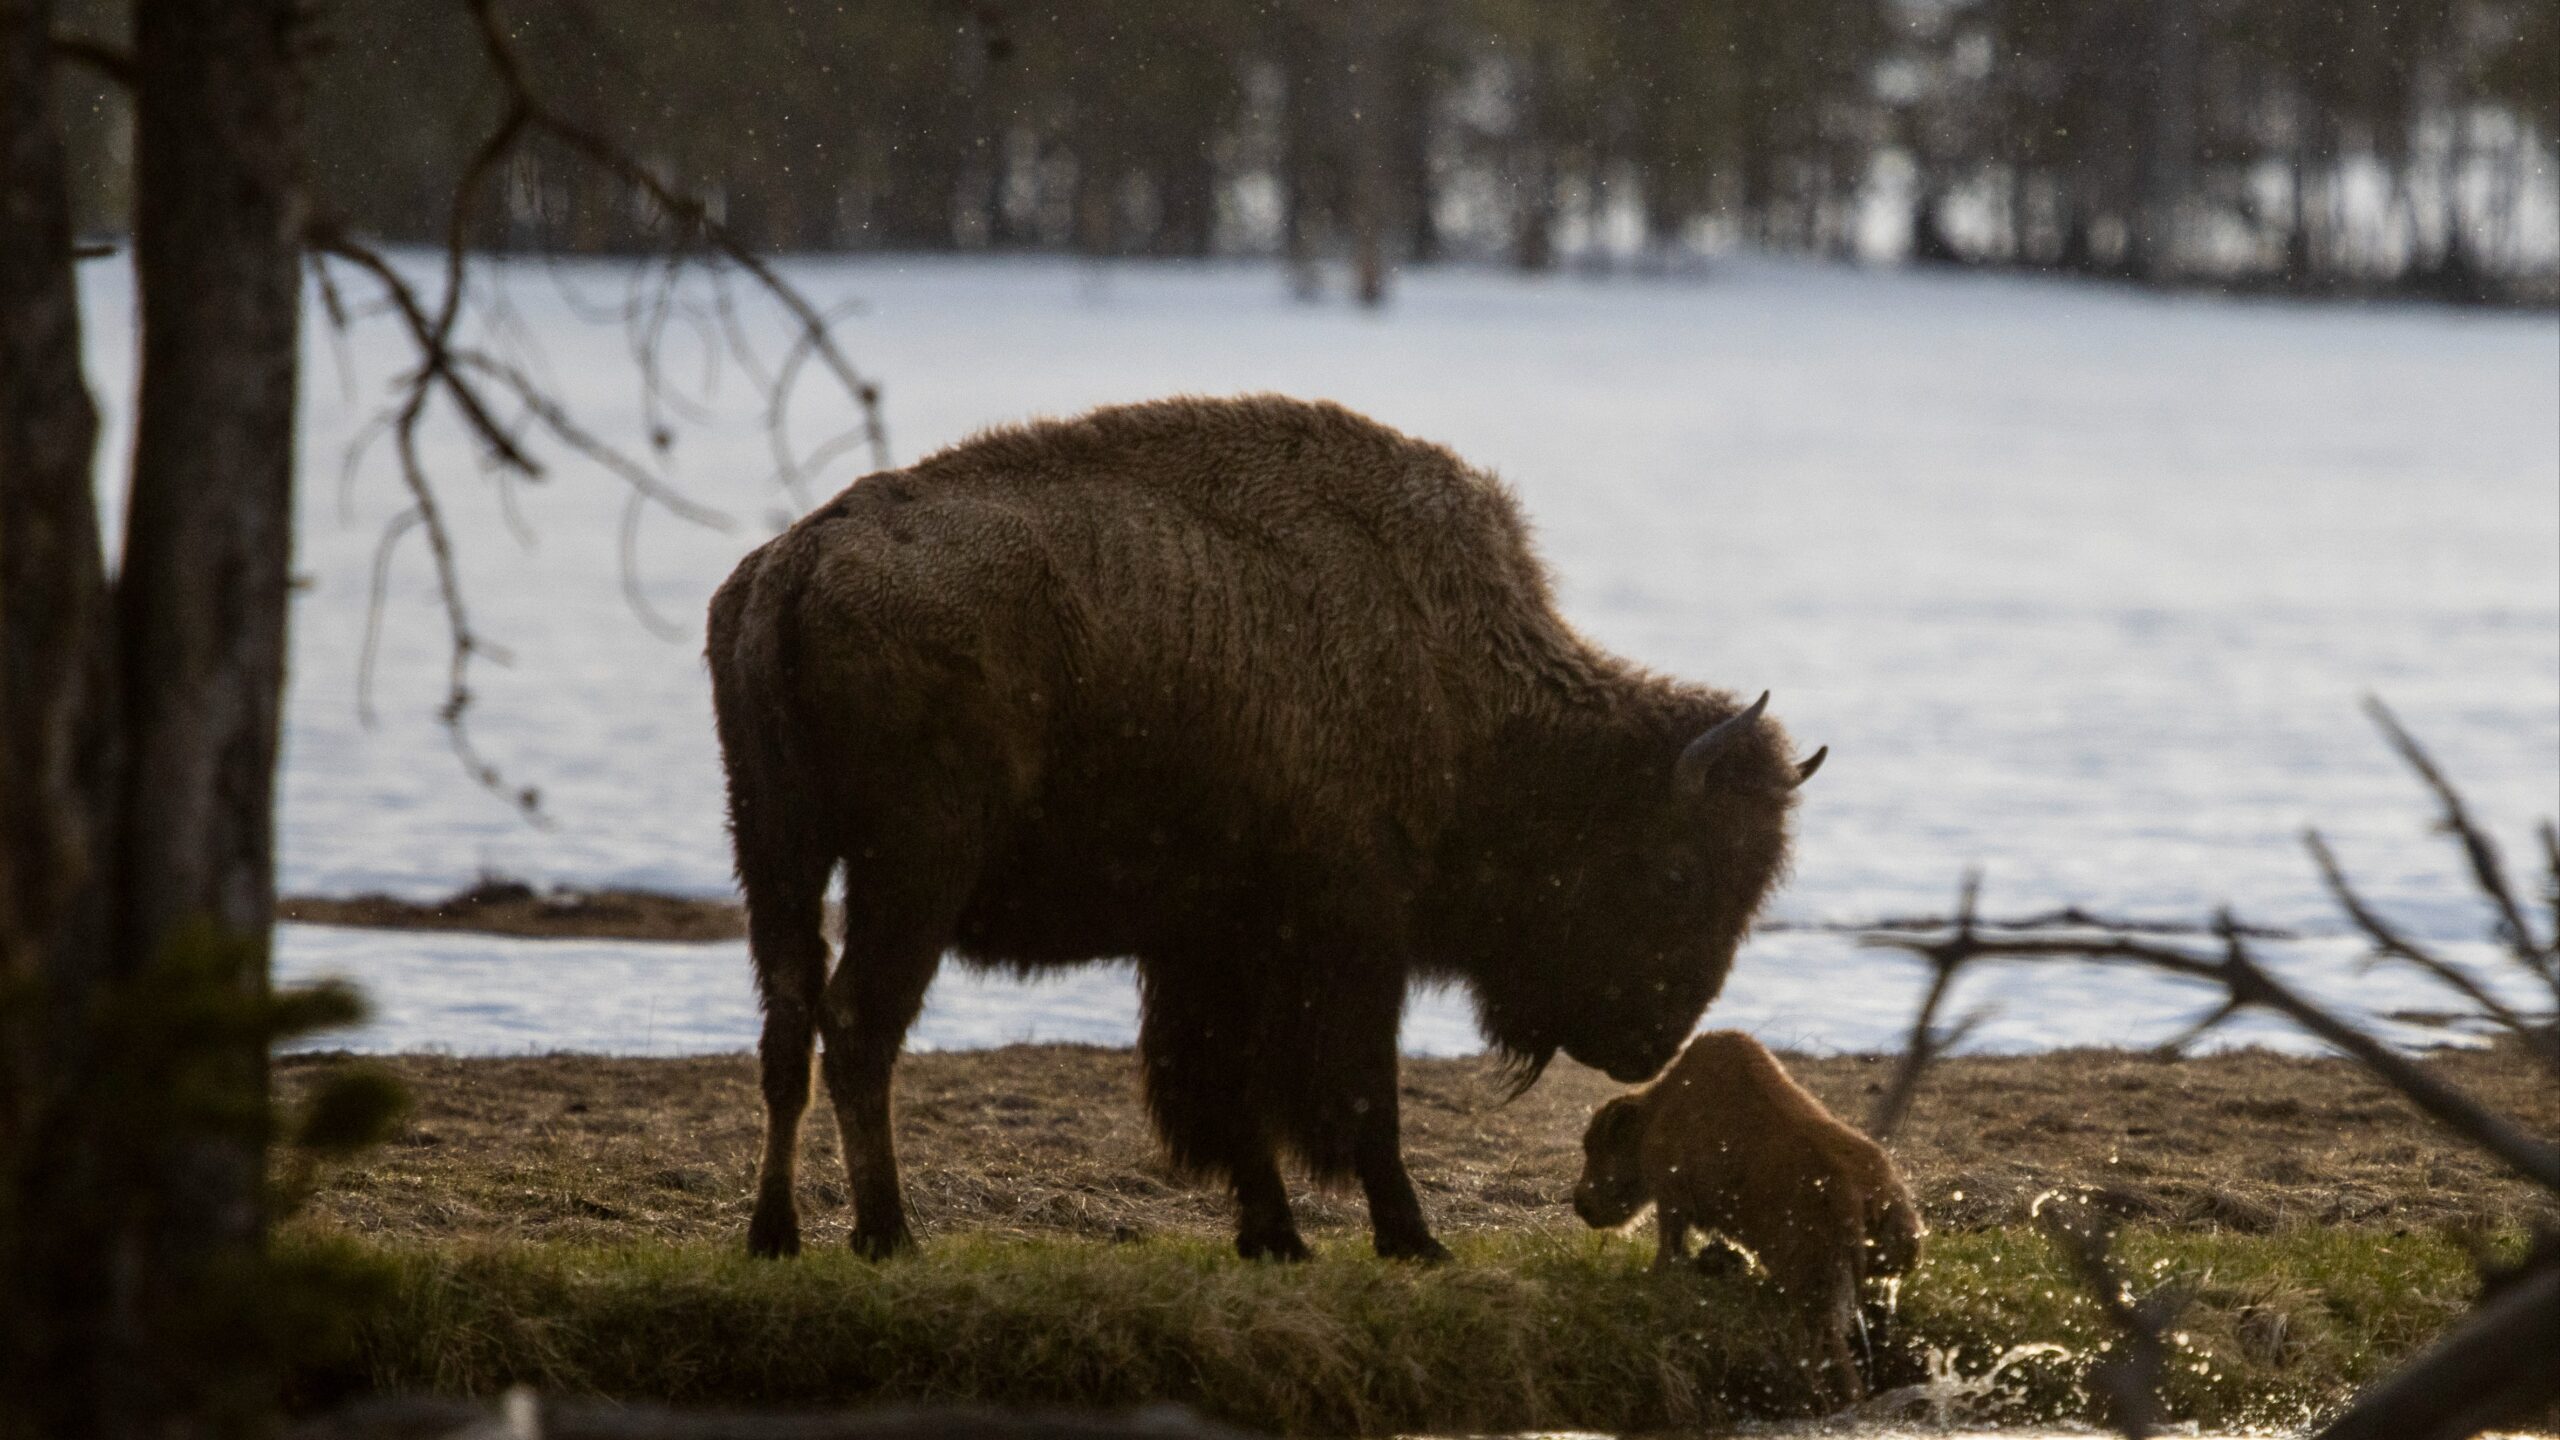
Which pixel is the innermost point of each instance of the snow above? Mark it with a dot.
(2081, 584)
(486, 995)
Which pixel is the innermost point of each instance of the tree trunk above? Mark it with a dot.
(1533, 202)
(202, 592)
(143, 721)
(2154, 233)
(1306, 150)
(1187, 201)
(1364, 43)
(55, 754)
(208, 534)
(53, 588)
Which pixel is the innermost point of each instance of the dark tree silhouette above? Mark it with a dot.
(140, 703)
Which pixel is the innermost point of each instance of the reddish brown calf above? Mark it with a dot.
(1724, 1141)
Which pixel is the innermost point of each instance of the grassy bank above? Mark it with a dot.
(577, 1222)
(1525, 1331)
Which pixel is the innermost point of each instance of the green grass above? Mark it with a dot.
(1524, 1331)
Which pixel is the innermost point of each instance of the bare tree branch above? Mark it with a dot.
(482, 383)
(2486, 871)
(1927, 1042)
(111, 61)
(687, 212)
(2390, 944)
(2249, 984)
(2130, 1376)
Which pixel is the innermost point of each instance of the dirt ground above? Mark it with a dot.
(1051, 1140)
(498, 906)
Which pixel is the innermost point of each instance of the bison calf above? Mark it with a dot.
(1726, 1142)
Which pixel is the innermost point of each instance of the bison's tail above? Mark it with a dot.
(775, 824)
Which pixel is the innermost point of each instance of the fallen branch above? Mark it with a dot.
(2496, 1364)
(2249, 984)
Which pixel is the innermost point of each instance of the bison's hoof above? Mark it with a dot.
(773, 1237)
(1421, 1249)
(1284, 1246)
(880, 1245)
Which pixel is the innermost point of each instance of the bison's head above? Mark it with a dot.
(1629, 922)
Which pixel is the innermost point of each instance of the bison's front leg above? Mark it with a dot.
(1208, 1083)
(1396, 1224)
(1341, 1111)
(1266, 1229)
(877, 989)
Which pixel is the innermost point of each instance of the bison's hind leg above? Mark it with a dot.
(902, 901)
(785, 901)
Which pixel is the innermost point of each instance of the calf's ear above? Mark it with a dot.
(1617, 1125)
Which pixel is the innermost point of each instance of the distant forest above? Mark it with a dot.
(2305, 145)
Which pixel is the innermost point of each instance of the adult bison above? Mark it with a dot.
(1263, 694)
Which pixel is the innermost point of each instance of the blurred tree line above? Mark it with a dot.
(2398, 143)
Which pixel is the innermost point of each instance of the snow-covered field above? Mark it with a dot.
(2082, 585)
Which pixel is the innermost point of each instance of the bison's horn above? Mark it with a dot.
(1703, 752)
(1805, 771)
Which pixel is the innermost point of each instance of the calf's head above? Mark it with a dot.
(1611, 1191)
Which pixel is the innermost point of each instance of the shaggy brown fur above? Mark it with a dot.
(1261, 693)
(1727, 1142)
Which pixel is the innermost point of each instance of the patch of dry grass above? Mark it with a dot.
(1050, 1141)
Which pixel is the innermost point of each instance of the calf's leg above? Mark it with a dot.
(1670, 1237)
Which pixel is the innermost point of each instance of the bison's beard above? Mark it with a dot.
(1520, 1069)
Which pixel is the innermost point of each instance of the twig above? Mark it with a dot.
(2486, 871)
(2551, 875)
(2067, 917)
(1927, 1043)
(2249, 984)
(481, 383)
(2176, 1045)
(110, 61)
(2389, 943)
(2130, 1377)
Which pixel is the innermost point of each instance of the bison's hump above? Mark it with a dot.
(1262, 462)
